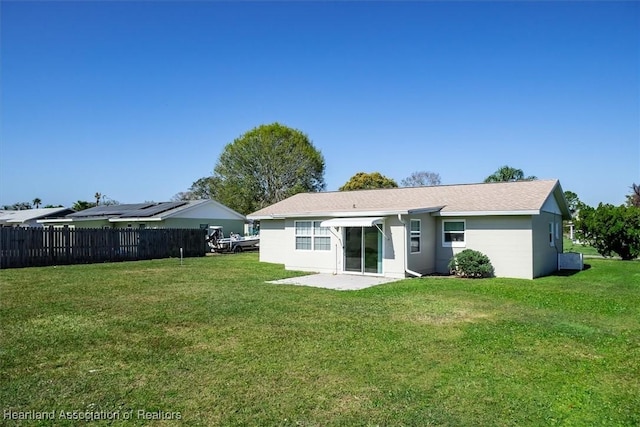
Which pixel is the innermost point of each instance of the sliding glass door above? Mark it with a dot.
(363, 250)
(353, 249)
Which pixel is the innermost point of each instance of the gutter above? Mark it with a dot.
(136, 219)
(406, 261)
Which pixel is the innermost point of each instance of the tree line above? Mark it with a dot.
(79, 205)
(273, 162)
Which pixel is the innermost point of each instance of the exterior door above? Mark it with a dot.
(363, 250)
(353, 249)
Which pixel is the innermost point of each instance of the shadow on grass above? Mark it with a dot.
(567, 273)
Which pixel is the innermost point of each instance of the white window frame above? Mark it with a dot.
(313, 237)
(461, 244)
(415, 234)
(324, 235)
(552, 241)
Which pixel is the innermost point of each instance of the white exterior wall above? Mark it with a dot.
(394, 248)
(423, 262)
(272, 241)
(506, 240)
(545, 253)
(308, 260)
(277, 245)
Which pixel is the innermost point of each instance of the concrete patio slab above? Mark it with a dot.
(338, 282)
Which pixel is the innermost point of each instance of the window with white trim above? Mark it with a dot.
(311, 236)
(551, 240)
(415, 231)
(453, 233)
(321, 237)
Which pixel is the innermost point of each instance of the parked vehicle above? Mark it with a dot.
(234, 243)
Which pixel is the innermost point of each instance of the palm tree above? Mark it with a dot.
(98, 196)
(36, 202)
(508, 174)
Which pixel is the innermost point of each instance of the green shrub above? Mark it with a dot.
(470, 263)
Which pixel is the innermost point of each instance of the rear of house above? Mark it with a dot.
(415, 231)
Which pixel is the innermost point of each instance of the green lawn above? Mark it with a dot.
(569, 246)
(211, 341)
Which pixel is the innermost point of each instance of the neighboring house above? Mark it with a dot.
(185, 214)
(30, 217)
(414, 231)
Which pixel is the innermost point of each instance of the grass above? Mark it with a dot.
(570, 246)
(211, 342)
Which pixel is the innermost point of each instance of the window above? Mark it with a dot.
(551, 241)
(321, 238)
(415, 236)
(309, 235)
(453, 233)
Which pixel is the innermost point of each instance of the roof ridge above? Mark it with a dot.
(429, 186)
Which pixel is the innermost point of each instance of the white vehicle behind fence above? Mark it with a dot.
(234, 243)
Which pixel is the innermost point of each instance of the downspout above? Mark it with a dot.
(406, 260)
(335, 270)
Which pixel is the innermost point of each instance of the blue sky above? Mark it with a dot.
(137, 100)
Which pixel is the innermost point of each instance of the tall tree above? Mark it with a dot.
(366, 181)
(36, 202)
(633, 199)
(265, 165)
(572, 201)
(507, 173)
(202, 188)
(97, 196)
(420, 179)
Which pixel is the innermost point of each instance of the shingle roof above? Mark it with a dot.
(521, 196)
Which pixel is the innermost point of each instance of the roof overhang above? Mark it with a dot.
(346, 214)
(488, 213)
(54, 220)
(352, 222)
(136, 219)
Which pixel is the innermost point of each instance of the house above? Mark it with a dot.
(414, 231)
(183, 214)
(30, 217)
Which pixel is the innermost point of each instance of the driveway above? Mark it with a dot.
(338, 282)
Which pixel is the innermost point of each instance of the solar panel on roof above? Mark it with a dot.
(110, 210)
(153, 210)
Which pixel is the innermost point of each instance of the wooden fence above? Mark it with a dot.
(30, 247)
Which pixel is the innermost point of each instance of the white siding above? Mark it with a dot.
(309, 260)
(394, 248)
(277, 245)
(545, 256)
(506, 240)
(272, 241)
(551, 205)
(423, 262)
